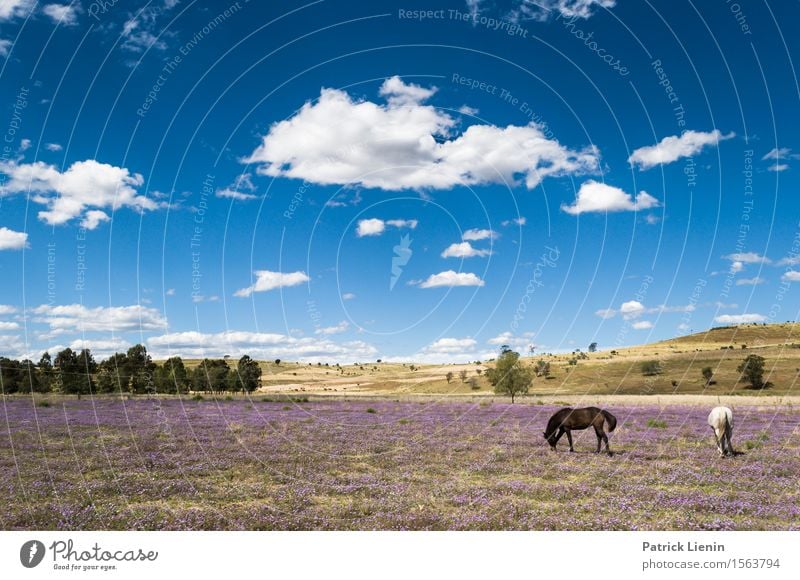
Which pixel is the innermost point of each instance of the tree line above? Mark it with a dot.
(133, 372)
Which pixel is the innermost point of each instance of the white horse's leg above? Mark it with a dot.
(719, 438)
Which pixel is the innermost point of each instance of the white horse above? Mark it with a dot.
(721, 421)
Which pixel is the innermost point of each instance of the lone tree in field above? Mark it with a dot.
(593, 347)
(651, 368)
(463, 376)
(752, 369)
(708, 374)
(449, 377)
(508, 376)
(542, 368)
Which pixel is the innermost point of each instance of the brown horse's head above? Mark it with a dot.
(551, 439)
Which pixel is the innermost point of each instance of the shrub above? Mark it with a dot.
(43, 404)
(651, 368)
(656, 424)
(371, 410)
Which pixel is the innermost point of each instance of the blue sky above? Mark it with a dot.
(341, 182)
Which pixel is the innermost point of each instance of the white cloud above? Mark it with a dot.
(748, 258)
(8, 325)
(520, 221)
(594, 196)
(80, 318)
(750, 281)
(451, 345)
(739, 318)
(672, 148)
(241, 190)
(337, 329)
(631, 309)
(467, 110)
(519, 343)
(258, 345)
(94, 218)
(737, 267)
(7, 309)
(606, 313)
(642, 325)
(778, 167)
(375, 227)
(86, 184)
(10, 9)
(25, 144)
(791, 276)
(450, 278)
(543, 9)
(267, 280)
(101, 348)
(229, 193)
(5, 47)
(788, 261)
(348, 296)
(64, 14)
(476, 235)
(170, 292)
(777, 153)
(11, 240)
(464, 250)
(405, 144)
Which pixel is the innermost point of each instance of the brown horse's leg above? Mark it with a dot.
(605, 438)
(560, 433)
(569, 438)
(598, 431)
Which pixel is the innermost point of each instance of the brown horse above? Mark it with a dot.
(568, 418)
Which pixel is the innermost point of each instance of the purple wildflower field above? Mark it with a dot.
(386, 465)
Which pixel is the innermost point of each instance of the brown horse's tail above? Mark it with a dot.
(611, 420)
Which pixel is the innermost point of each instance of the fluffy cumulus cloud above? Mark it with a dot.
(64, 14)
(375, 226)
(79, 318)
(70, 194)
(642, 325)
(791, 276)
(464, 250)
(101, 348)
(10, 9)
(406, 144)
(597, 197)
(450, 278)
(739, 318)
(631, 309)
(11, 240)
(446, 350)
(672, 148)
(267, 280)
(258, 345)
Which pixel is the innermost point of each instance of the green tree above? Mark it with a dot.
(211, 375)
(508, 376)
(449, 377)
(45, 372)
(139, 370)
(463, 376)
(172, 377)
(247, 376)
(18, 377)
(752, 369)
(651, 368)
(74, 371)
(708, 374)
(593, 347)
(542, 368)
(111, 374)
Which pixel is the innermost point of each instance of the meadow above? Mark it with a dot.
(274, 463)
